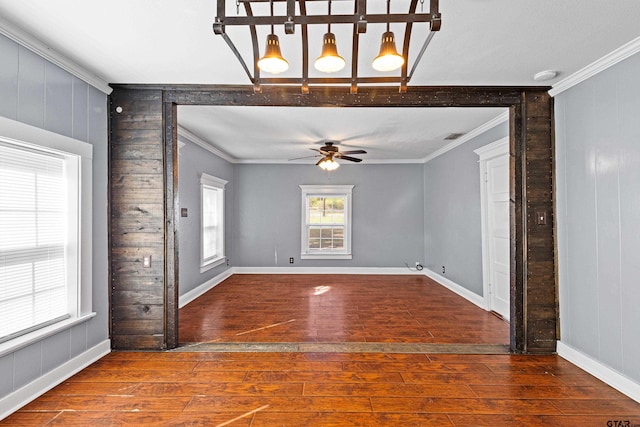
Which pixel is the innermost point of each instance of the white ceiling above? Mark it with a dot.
(482, 42)
(274, 134)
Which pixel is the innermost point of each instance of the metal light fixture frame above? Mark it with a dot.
(359, 19)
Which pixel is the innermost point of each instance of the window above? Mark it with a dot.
(212, 222)
(326, 221)
(44, 275)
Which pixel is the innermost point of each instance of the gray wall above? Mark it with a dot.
(38, 93)
(387, 214)
(192, 161)
(598, 216)
(453, 229)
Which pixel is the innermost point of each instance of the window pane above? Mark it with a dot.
(209, 222)
(212, 221)
(326, 233)
(326, 210)
(324, 222)
(33, 226)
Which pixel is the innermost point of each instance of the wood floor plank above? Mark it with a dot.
(388, 390)
(25, 418)
(512, 391)
(84, 419)
(341, 377)
(622, 407)
(323, 419)
(219, 389)
(70, 388)
(415, 367)
(279, 404)
(479, 420)
(265, 365)
(481, 378)
(127, 375)
(463, 405)
(107, 403)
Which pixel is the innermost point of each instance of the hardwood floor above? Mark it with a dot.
(337, 308)
(362, 356)
(328, 389)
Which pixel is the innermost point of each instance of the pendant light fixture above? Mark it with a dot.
(329, 61)
(272, 61)
(328, 68)
(388, 59)
(328, 164)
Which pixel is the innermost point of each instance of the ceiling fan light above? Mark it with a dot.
(272, 61)
(328, 164)
(329, 61)
(388, 59)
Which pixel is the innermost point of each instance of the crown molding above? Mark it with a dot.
(469, 136)
(195, 139)
(29, 42)
(596, 67)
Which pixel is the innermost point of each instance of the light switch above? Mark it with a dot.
(146, 261)
(184, 213)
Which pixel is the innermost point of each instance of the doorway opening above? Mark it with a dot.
(258, 177)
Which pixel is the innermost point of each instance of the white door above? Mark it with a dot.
(497, 186)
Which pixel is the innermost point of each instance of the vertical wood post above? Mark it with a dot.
(137, 219)
(533, 293)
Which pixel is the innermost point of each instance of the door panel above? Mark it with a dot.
(499, 239)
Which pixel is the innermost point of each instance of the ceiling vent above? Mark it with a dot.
(453, 136)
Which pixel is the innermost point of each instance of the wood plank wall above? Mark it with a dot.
(536, 160)
(143, 178)
(137, 209)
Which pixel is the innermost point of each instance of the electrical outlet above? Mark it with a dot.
(291, 260)
(228, 261)
(443, 270)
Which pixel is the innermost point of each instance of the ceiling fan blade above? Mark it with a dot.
(354, 152)
(351, 159)
(303, 157)
(321, 151)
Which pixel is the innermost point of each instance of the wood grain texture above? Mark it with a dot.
(328, 389)
(137, 220)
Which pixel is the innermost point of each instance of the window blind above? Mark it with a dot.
(209, 223)
(33, 290)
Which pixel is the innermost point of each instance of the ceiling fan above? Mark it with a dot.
(330, 152)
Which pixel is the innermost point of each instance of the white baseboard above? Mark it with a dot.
(454, 287)
(604, 373)
(324, 270)
(46, 382)
(206, 286)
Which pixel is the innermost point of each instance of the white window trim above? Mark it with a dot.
(30, 136)
(207, 180)
(338, 190)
